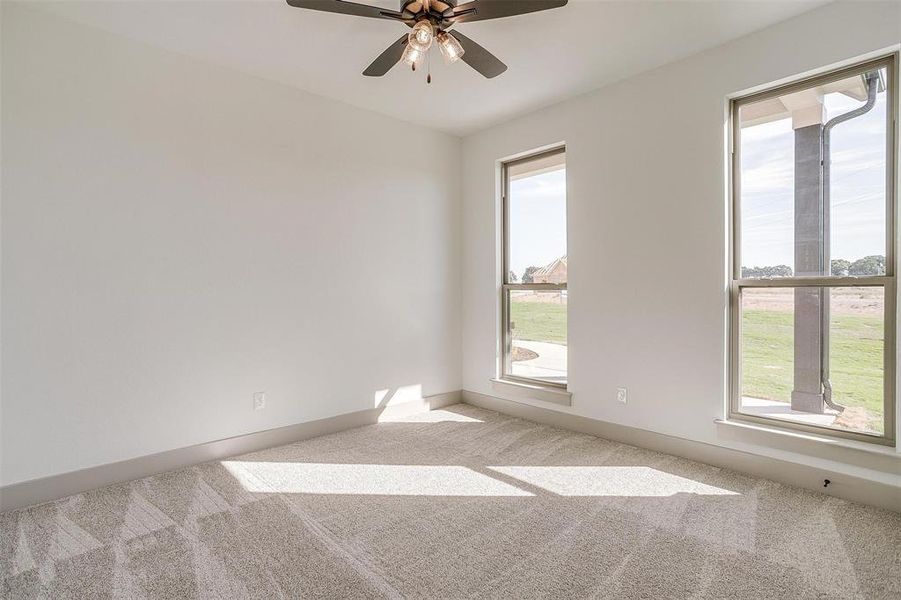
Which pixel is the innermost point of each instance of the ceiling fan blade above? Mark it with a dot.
(478, 58)
(386, 59)
(482, 10)
(347, 8)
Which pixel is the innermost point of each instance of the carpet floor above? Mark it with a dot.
(455, 503)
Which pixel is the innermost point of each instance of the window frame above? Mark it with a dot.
(506, 341)
(888, 281)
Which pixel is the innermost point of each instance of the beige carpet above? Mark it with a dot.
(457, 503)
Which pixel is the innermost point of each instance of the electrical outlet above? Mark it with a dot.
(259, 400)
(622, 395)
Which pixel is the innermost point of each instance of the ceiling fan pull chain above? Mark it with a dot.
(428, 78)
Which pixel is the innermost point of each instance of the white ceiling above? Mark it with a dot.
(551, 55)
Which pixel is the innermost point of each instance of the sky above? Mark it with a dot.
(538, 203)
(537, 210)
(858, 186)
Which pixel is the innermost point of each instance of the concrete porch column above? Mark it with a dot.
(809, 241)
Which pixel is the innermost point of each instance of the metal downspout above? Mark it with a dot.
(825, 252)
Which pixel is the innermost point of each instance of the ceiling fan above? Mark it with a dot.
(430, 22)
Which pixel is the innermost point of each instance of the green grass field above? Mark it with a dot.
(856, 348)
(539, 321)
(856, 358)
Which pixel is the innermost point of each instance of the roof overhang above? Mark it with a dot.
(787, 105)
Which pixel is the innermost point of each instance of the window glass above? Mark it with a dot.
(813, 192)
(537, 329)
(780, 363)
(858, 175)
(536, 213)
(784, 232)
(534, 295)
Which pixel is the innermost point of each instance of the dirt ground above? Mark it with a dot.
(545, 297)
(523, 354)
(856, 418)
(843, 301)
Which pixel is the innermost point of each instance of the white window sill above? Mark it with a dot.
(530, 391)
(872, 456)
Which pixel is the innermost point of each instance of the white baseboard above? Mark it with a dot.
(46, 489)
(842, 485)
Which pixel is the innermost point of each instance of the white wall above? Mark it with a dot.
(646, 181)
(177, 236)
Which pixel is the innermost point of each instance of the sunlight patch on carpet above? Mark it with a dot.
(363, 479)
(610, 481)
(434, 416)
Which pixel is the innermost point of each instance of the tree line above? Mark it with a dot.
(862, 267)
(868, 265)
(526, 275)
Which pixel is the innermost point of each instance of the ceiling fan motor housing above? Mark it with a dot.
(433, 10)
(430, 20)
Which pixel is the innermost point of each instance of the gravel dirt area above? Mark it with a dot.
(843, 301)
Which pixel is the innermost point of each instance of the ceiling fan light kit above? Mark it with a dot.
(430, 22)
(412, 55)
(450, 47)
(422, 35)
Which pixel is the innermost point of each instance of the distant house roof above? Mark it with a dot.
(551, 267)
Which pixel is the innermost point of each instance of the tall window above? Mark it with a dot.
(813, 289)
(534, 292)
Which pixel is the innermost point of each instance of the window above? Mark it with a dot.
(534, 292)
(813, 246)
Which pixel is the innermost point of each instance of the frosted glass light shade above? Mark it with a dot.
(411, 55)
(421, 36)
(450, 47)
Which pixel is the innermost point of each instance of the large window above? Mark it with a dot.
(534, 292)
(813, 287)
